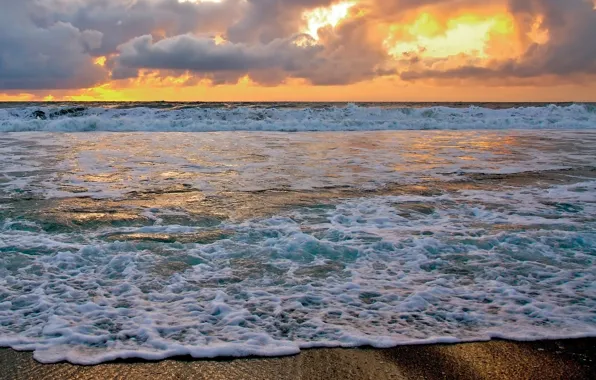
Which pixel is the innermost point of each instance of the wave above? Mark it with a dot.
(380, 271)
(79, 118)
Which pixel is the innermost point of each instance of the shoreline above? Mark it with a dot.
(496, 359)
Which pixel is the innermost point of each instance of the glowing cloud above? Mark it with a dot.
(101, 61)
(325, 16)
(467, 35)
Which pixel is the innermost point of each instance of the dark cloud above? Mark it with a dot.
(44, 57)
(122, 20)
(50, 44)
(203, 55)
(352, 53)
(266, 20)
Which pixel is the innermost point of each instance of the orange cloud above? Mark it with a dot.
(18, 97)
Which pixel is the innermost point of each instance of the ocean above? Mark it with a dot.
(153, 230)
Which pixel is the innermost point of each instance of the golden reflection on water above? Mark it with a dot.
(114, 178)
(108, 180)
(262, 161)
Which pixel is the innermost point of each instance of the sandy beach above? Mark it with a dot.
(563, 359)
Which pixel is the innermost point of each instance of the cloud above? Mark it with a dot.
(53, 56)
(123, 20)
(342, 55)
(53, 44)
(269, 63)
(266, 20)
(570, 49)
(203, 55)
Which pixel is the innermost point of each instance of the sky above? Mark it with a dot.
(298, 50)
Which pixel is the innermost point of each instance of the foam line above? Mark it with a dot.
(348, 118)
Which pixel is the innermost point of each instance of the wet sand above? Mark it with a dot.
(563, 359)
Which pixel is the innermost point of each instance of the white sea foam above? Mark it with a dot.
(514, 262)
(348, 118)
(380, 271)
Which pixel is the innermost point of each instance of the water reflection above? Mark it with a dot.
(108, 178)
(289, 229)
(111, 165)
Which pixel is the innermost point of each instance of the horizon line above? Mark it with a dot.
(305, 101)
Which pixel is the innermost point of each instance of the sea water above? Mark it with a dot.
(164, 239)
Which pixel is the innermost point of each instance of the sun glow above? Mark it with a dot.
(22, 97)
(467, 34)
(219, 40)
(101, 61)
(325, 16)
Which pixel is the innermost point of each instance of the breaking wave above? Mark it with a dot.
(283, 118)
(380, 271)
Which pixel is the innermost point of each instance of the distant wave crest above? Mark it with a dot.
(81, 118)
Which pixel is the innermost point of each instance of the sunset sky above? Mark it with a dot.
(298, 50)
